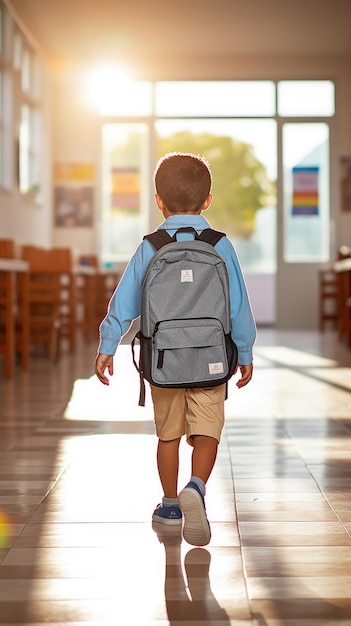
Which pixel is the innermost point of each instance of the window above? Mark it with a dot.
(1, 130)
(306, 98)
(20, 119)
(219, 99)
(17, 51)
(115, 94)
(234, 125)
(24, 155)
(30, 136)
(125, 185)
(306, 192)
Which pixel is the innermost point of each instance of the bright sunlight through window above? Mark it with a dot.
(113, 91)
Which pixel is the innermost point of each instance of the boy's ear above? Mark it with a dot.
(159, 202)
(207, 202)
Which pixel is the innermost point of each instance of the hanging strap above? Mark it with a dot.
(138, 368)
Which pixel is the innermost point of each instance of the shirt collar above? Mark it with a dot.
(182, 220)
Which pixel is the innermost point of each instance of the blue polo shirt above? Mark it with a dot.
(124, 306)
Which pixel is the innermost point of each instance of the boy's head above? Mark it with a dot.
(183, 182)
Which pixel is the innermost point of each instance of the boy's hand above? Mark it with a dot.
(246, 374)
(102, 362)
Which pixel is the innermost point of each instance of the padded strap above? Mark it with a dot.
(160, 238)
(211, 236)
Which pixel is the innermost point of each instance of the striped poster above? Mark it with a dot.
(305, 198)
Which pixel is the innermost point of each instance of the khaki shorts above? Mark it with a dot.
(188, 412)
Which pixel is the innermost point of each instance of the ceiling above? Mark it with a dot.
(79, 31)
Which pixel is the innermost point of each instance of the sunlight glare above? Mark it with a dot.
(294, 358)
(93, 401)
(106, 83)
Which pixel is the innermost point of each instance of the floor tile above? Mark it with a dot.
(78, 484)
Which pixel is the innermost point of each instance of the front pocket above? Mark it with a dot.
(189, 352)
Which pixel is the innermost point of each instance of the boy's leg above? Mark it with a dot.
(169, 405)
(168, 512)
(168, 466)
(204, 456)
(196, 529)
(205, 419)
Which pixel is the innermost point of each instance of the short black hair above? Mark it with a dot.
(183, 181)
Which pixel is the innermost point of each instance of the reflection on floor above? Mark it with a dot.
(78, 484)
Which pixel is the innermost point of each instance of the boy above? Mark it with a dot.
(183, 192)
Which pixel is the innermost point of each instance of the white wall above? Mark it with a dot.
(76, 139)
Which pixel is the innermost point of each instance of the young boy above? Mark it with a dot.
(183, 192)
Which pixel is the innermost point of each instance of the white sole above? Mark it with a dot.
(196, 529)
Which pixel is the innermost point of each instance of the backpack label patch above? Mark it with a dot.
(216, 368)
(186, 276)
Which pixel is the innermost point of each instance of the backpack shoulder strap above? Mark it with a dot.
(159, 238)
(211, 236)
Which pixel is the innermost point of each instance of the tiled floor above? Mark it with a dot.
(78, 484)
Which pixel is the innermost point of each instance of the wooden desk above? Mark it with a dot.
(343, 272)
(14, 302)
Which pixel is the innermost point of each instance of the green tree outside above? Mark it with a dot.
(241, 186)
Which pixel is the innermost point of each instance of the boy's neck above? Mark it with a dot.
(167, 213)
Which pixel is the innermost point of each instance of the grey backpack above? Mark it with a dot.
(185, 323)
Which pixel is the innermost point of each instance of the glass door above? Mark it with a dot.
(242, 154)
(125, 190)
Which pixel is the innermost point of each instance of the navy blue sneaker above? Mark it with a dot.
(170, 515)
(196, 530)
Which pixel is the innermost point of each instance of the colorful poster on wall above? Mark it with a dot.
(125, 192)
(305, 196)
(74, 194)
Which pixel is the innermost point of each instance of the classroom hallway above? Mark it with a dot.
(78, 485)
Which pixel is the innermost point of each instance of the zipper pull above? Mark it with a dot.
(161, 354)
(156, 328)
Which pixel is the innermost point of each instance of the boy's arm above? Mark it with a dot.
(246, 374)
(123, 308)
(103, 362)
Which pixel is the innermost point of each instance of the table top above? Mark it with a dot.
(342, 266)
(13, 265)
(88, 270)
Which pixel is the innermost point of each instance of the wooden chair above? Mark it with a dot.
(14, 307)
(328, 297)
(10, 249)
(51, 298)
(94, 289)
(44, 313)
(86, 276)
(7, 346)
(343, 279)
